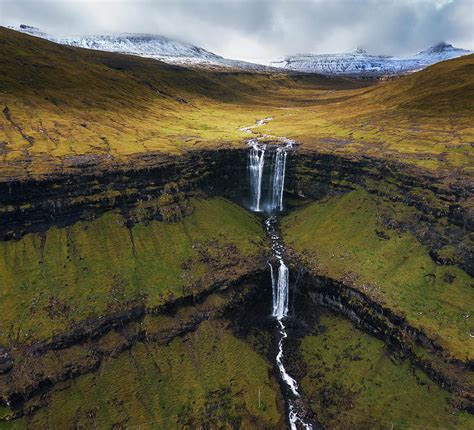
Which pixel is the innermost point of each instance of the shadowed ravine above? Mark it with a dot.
(271, 203)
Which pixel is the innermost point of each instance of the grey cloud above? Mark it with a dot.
(261, 28)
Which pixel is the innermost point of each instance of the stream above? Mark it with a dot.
(271, 159)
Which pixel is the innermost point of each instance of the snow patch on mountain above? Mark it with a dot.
(360, 63)
(356, 63)
(147, 45)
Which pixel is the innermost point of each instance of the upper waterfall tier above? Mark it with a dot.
(267, 165)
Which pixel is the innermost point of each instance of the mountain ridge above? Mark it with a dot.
(360, 63)
(147, 45)
(357, 63)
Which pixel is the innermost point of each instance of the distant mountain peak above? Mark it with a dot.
(145, 45)
(360, 51)
(441, 48)
(359, 63)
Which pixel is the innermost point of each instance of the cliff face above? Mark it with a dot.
(37, 205)
(136, 257)
(34, 206)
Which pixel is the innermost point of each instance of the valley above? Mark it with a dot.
(184, 248)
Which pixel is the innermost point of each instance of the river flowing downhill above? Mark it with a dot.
(280, 278)
(270, 201)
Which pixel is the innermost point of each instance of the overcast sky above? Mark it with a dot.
(261, 28)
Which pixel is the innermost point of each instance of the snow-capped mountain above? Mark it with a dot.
(356, 63)
(360, 63)
(146, 45)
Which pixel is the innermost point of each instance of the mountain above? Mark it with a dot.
(360, 63)
(356, 63)
(146, 45)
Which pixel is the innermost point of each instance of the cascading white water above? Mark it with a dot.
(256, 164)
(280, 303)
(278, 180)
(280, 298)
(280, 279)
(280, 293)
(273, 199)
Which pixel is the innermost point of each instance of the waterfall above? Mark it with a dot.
(280, 293)
(280, 278)
(278, 180)
(280, 300)
(256, 163)
(273, 198)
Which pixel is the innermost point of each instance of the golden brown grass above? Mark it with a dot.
(65, 103)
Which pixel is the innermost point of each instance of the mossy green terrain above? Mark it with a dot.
(65, 106)
(338, 238)
(353, 382)
(53, 279)
(207, 378)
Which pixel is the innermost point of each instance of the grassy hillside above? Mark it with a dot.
(364, 387)
(342, 237)
(61, 103)
(54, 279)
(64, 105)
(207, 378)
(424, 119)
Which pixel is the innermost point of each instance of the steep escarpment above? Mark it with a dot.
(227, 383)
(54, 279)
(149, 192)
(41, 365)
(84, 288)
(73, 296)
(367, 384)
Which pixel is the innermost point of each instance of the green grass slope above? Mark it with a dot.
(423, 119)
(61, 105)
(52, 280)
(337, 238)
(207, 378)
(60, 102)
(353, 383)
